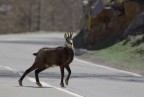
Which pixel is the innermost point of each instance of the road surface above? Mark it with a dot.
(87, 79)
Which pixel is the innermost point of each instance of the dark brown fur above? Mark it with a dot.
(47, 57)
(60, 56)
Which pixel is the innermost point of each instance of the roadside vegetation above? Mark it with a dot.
(126, 55)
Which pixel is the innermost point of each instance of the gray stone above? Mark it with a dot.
(79, 52)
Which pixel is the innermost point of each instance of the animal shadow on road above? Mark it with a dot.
(114, 77)
(36, 87)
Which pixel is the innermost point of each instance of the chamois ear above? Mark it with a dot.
(71, 34)
(68, 34)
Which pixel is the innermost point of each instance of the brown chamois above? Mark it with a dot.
(49, 57)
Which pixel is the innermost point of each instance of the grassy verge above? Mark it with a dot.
(119, 56)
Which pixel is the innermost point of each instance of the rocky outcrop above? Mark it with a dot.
(136, 25)
(132, 9)
(110, 25)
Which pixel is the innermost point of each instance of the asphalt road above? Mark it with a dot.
(87, 79)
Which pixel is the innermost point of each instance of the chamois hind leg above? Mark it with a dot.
(37, 71)
(62, 76)
(69, 73)
(33, 67)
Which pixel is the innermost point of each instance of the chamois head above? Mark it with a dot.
(68, 37)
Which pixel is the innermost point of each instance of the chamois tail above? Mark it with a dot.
(35, 54)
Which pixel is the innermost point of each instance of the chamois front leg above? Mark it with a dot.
(69, 73)
(62, 76)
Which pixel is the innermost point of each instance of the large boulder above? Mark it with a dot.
(132, 9)
(110, 25)
(105, 28)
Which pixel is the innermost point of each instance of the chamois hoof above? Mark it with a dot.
(66, 82)
(62, 84)
(20, 82)
(39, 84)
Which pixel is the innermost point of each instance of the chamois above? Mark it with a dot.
(48, 57)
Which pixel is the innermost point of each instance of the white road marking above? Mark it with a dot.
(61, 89)
(43, 83)
(110, 68)
(66, 91)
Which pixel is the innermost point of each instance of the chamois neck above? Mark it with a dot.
(69, 46)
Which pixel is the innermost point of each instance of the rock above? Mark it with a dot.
(132, 9)
(106, 1)
(136, 23)
(104, 16)
(122, 21)
(106, 27)
(109, 25)
(97, 7)
(79, 52)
